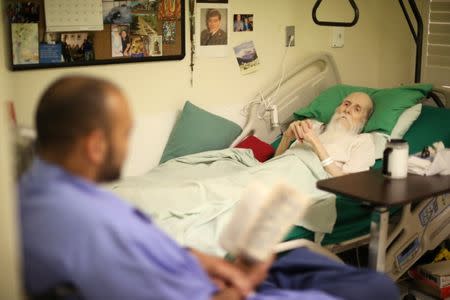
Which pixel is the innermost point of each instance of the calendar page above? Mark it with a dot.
(73, 15)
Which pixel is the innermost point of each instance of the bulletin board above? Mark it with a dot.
(94, 32)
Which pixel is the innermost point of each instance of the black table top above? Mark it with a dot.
(372, 187)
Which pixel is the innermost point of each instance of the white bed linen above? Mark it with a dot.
(192, 197)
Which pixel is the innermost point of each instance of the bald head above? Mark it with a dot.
(83, 125)
(72, 107)
(365, 102)
(354, 112)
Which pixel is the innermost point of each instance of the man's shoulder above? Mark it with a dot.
(63, 200)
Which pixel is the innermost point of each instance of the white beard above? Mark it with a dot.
(336, 130)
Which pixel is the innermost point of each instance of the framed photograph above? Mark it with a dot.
(133, 31)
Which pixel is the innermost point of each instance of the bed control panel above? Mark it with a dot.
(429, 212)
(408, 253)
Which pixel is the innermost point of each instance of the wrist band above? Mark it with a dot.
(326, 162)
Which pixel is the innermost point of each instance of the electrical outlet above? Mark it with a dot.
(337, 39)
(290, 31)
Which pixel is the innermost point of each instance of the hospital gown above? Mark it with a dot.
(74, 232)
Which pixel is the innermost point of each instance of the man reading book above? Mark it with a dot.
(340, 145)
(76, 233)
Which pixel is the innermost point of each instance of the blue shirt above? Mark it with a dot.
(73, 231)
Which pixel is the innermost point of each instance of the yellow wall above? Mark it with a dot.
(377, 52)
(5, 88)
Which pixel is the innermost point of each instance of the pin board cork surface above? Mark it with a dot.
(126, 31)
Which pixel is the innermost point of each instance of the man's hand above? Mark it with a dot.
(302, 131)
(256, 271)
(306, 133)
(224, 274)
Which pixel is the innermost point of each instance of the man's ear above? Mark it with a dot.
(96, 146)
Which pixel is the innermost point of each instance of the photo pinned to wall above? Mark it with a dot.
(214, 28)
(242, 22)
(77, 46)
(120, 40)
(169, 10)
(116, 12)
(131, 29)
(212, 25)
(144, 19)
(135, 24)
(139, 46)
(247, 57)
(25, 43)
(23, 11)
(169, 32)
(50, 49)
(156, 45)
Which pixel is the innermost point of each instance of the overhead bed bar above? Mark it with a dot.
(332, 23)
(417, 35)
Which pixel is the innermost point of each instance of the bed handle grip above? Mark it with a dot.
(332, 23)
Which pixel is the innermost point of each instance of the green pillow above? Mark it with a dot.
(197, 130)
(389, 104)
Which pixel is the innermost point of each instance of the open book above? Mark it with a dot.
(261, 219)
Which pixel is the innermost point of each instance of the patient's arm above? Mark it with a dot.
(291, 134)
(309, 135)
(333, 169)
(284, 144)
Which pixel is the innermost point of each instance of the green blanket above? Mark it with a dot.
(192, 197)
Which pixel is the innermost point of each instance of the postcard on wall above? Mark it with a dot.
(25, 43)
(23, 11)
(120, 40)
(169, 10)
(242, 22)
(246, 57)
(139, 46)
(50, 53)
(156, 45)
(212, 25)
(169, 32)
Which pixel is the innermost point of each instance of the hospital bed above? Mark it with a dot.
(407, 240)
(414, 228)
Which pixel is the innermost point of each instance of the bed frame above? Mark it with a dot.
(403, 241)
(300, 86)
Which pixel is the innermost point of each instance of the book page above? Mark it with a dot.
(245, 213)
(261, 220)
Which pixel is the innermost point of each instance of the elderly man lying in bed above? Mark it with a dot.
(340, 145)
(200, 190)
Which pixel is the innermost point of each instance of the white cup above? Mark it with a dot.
(395, 159)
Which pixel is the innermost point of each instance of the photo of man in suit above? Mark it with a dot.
(215, 31)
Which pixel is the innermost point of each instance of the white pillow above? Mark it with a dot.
(404, 122)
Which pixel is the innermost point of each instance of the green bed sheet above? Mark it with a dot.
(353, 218)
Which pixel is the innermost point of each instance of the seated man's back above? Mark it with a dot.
(71, 228)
